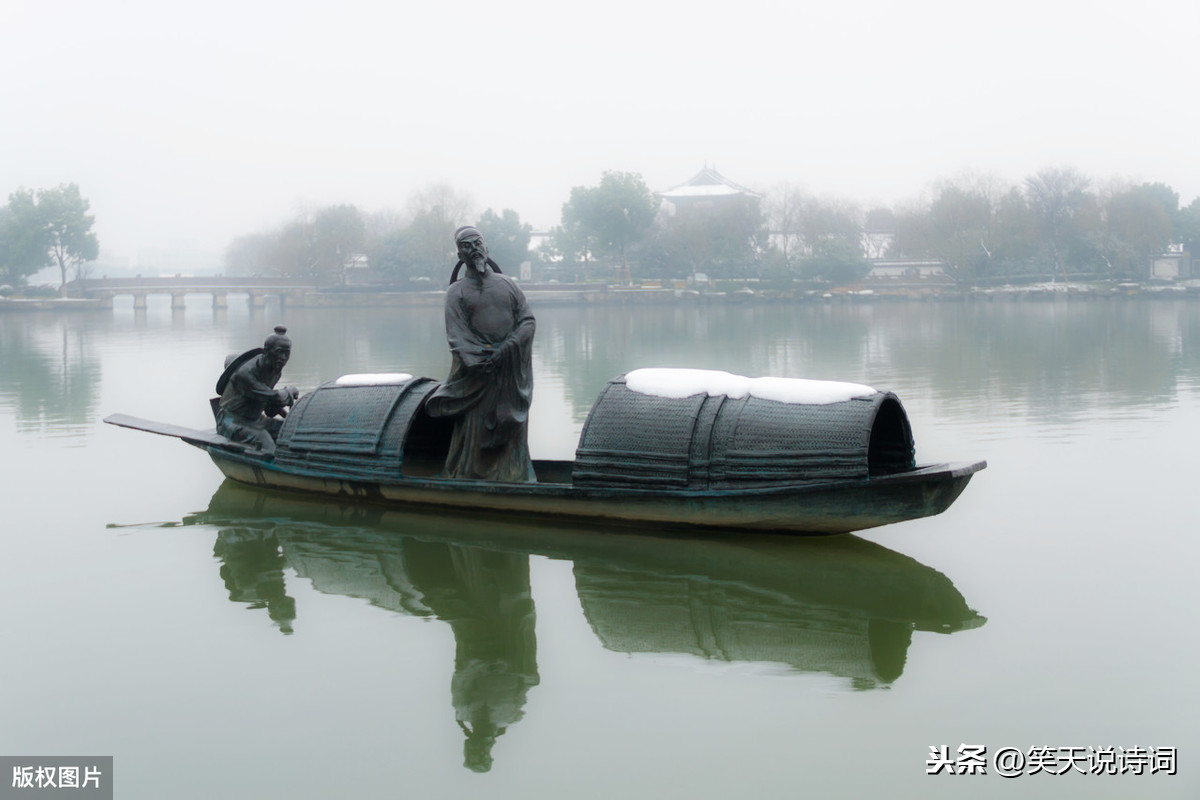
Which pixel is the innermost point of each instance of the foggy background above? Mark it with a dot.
(186, 126)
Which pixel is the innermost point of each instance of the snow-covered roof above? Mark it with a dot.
(718, 190)
(707, 183)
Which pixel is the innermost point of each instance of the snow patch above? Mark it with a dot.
(678, 383)
(373, 379)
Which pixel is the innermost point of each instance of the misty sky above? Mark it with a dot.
(198, 122)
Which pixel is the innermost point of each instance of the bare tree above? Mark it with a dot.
(785, 210)
(434, 212)
(1056, 197)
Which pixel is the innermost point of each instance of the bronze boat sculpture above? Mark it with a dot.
(689, 448)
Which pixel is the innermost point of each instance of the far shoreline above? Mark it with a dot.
(606, 295)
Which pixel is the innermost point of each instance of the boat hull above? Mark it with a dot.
(828, 508)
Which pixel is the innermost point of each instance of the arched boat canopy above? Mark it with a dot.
(368, 427)
(692, 429)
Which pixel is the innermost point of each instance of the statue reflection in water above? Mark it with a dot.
(252, 568)
(486, 598)
(483, 594)
(839, 606)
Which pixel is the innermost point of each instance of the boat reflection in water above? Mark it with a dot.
(838, 605)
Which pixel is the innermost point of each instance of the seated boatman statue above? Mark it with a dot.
(250, 407)
(490, 332)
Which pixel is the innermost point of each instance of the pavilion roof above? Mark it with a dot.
(707, 183)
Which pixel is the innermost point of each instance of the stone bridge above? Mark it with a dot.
(290, 291)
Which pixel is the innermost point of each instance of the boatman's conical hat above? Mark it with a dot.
(232, 362)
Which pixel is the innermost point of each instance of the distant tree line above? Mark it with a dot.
(398, 247)
(46, 228)
(1058, 222)
(1055, 223)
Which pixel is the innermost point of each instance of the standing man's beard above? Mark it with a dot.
(476, 257)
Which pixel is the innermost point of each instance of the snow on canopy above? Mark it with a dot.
(679, 383)
(373, 379)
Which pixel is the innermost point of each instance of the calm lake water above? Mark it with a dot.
(227, 643)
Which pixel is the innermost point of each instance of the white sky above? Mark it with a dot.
(198, 122)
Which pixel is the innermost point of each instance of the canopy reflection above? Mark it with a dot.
(837, 605)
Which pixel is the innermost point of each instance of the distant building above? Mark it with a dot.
(908, 269)
(722, 220)
(706, 189)
(1172, 265)
(357, 271)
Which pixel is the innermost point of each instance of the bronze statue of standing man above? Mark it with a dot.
(490, 331)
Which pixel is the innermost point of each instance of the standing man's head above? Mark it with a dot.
(278, 347)
(472, 250)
